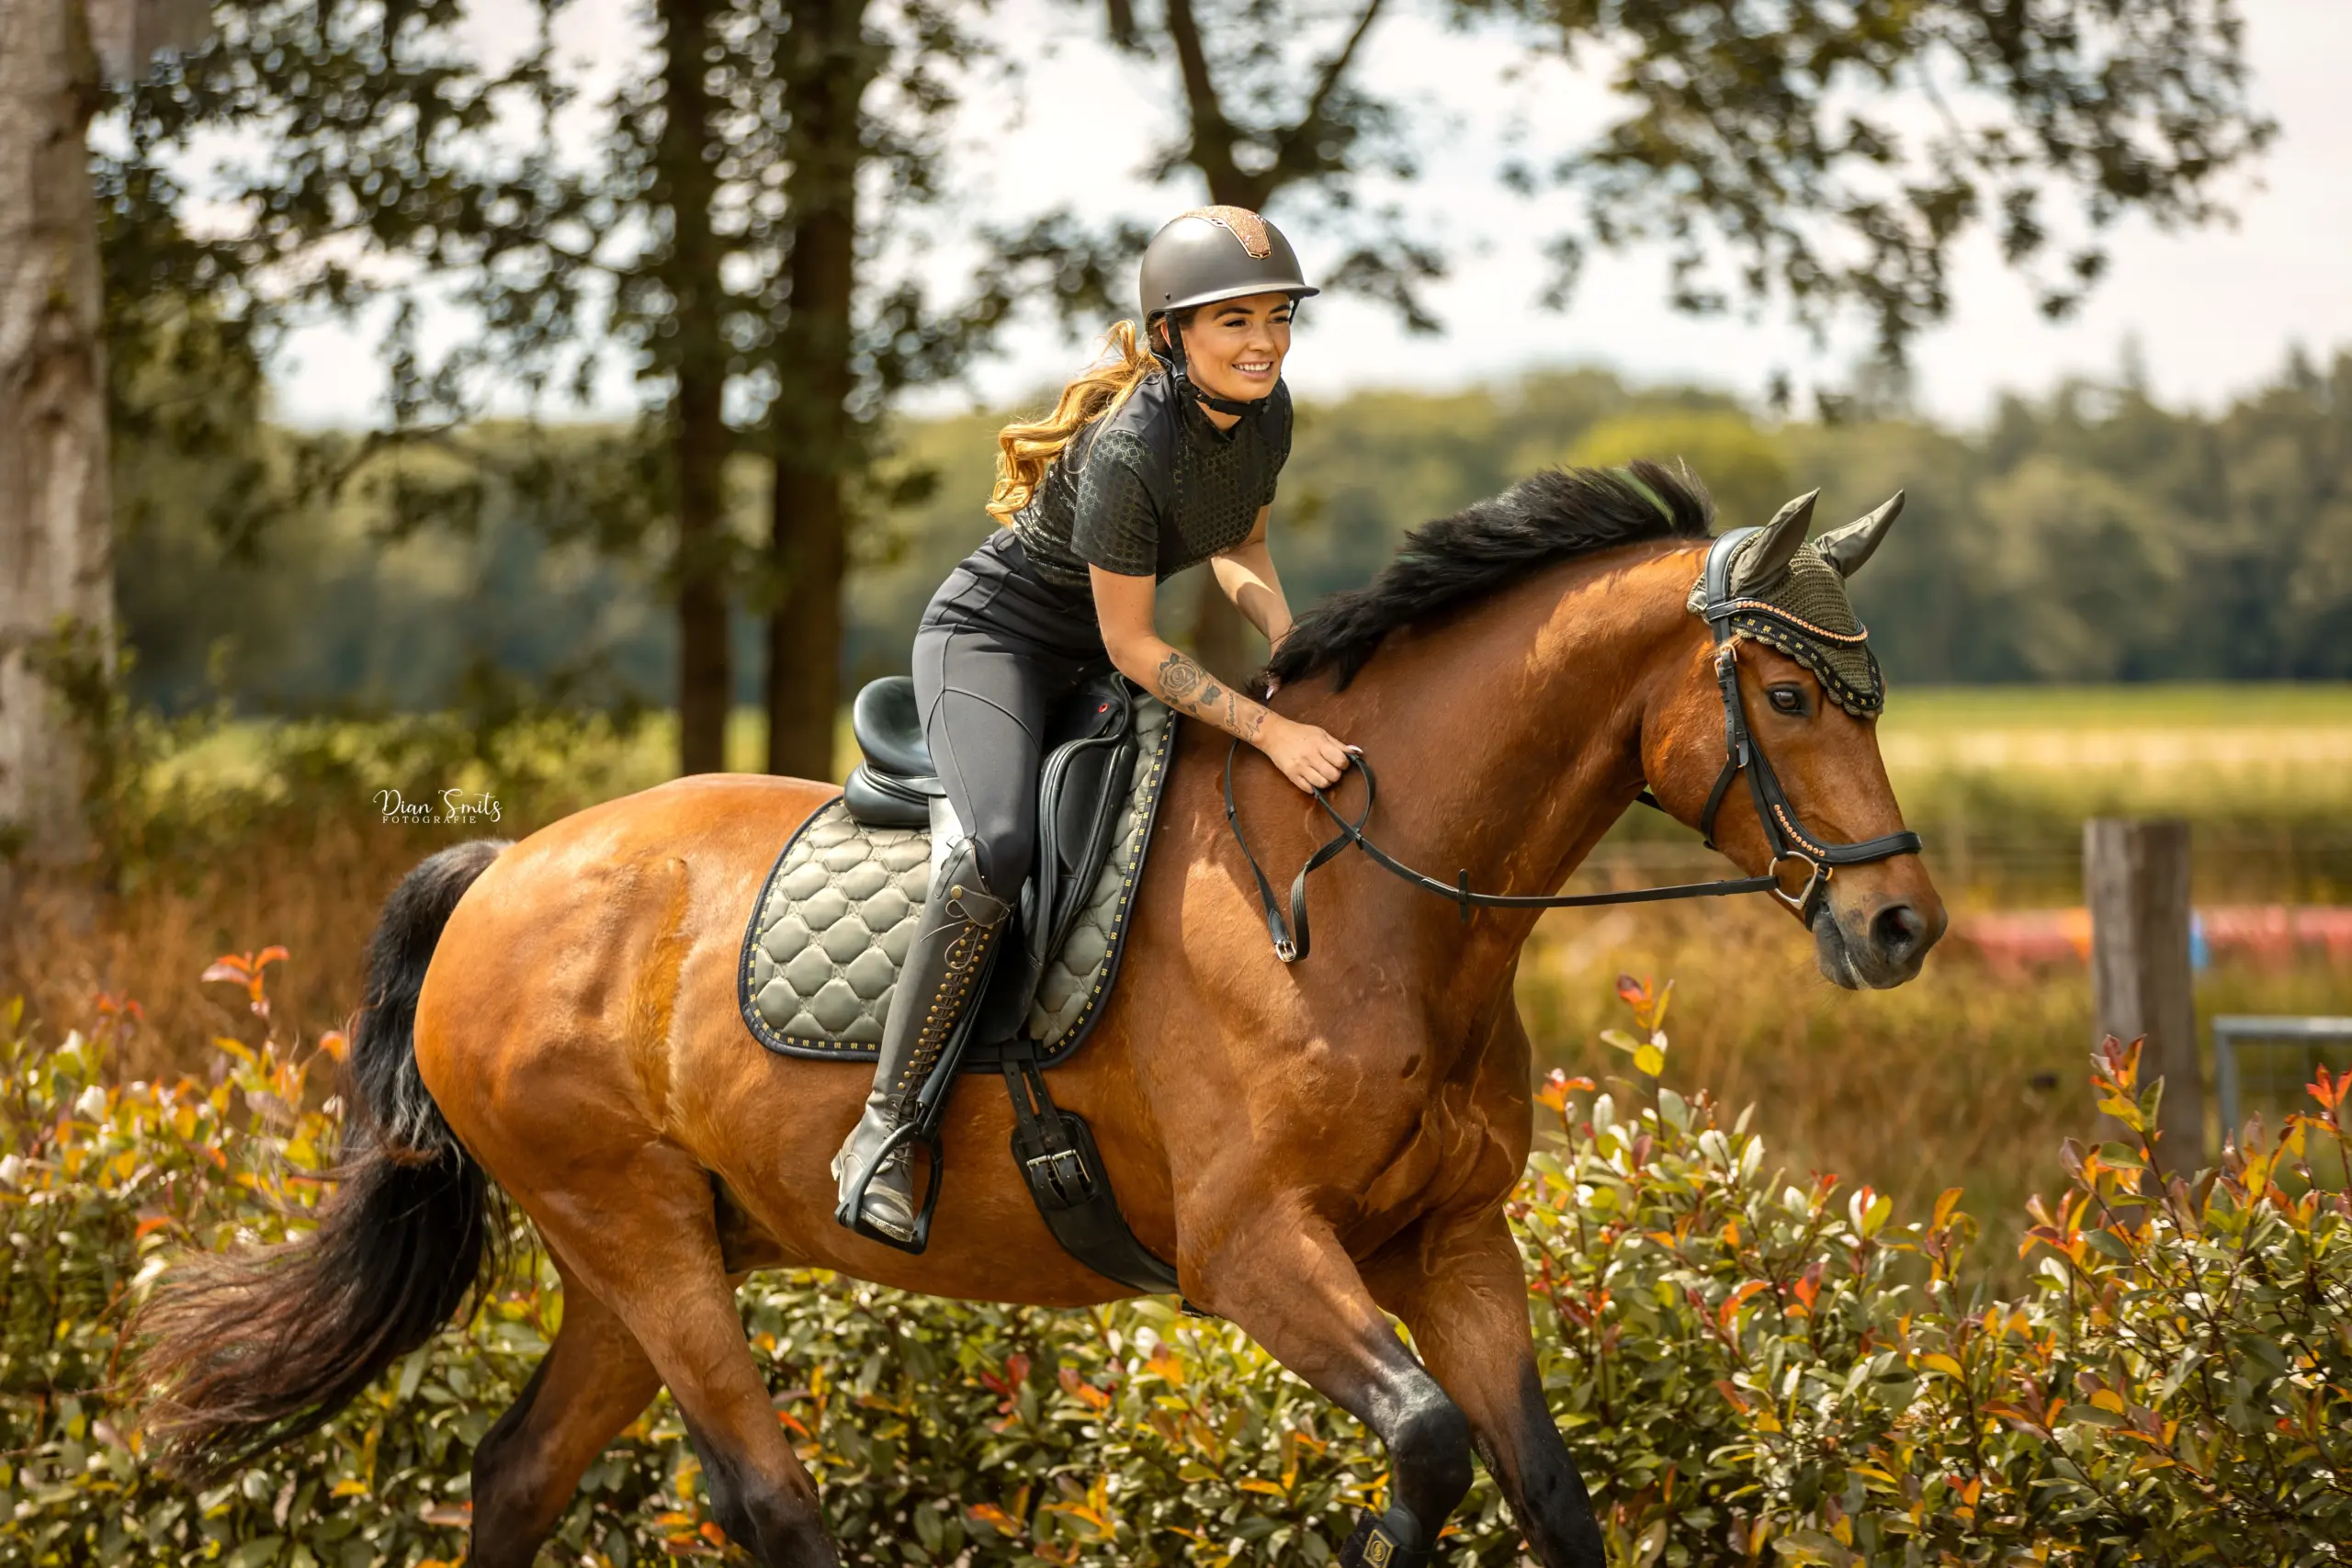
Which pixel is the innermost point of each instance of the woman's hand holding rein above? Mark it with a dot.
(1308, 756)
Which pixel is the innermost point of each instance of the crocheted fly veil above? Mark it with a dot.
(1791, 597)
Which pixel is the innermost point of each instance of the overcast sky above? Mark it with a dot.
(2211, 312)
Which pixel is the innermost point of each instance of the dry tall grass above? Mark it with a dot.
(1963, 1078)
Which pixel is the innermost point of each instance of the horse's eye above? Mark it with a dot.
(1787, 699)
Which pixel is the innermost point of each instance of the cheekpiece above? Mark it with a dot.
(1806, 614)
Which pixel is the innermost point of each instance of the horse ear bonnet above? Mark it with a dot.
(1802, 608)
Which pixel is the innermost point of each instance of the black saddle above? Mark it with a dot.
(1082, 789)
(895, 786)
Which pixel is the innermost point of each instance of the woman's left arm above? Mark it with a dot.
(1246, 572)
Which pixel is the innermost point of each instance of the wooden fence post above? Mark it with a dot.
(2135, 880)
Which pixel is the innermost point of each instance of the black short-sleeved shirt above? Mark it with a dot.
(1154, 488)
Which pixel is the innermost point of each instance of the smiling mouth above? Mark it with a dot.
(1253, 366)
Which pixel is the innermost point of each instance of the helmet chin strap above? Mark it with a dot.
(1172, 354)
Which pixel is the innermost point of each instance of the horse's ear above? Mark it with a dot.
(1765, 556)
(1850, 546)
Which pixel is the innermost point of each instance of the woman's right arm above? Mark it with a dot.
(1308, 757)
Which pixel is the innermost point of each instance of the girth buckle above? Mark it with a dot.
(1076, 1184)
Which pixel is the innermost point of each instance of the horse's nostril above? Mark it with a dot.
(1899, 932)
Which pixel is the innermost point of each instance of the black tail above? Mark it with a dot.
(243, 1353)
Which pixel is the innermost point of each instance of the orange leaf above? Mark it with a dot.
(1732, 1303)
(996, 1519)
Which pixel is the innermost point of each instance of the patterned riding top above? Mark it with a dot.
(1153, 488)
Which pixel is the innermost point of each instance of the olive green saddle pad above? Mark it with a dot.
(822, 956)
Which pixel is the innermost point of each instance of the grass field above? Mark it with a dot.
(2191, 751)
(1959, 1079)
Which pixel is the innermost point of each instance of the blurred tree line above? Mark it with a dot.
(739, 220)
(2092, 535)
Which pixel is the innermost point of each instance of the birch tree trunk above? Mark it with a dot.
(56, 568)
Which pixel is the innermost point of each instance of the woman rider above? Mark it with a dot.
(1151, 462)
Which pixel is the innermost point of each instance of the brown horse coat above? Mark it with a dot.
(1313, 1145)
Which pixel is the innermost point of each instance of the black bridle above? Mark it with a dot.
(1784, 833)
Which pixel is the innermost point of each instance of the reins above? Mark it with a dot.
(1784, 834)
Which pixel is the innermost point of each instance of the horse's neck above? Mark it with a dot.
(1509, 739)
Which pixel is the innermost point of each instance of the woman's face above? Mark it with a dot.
(1235, 348)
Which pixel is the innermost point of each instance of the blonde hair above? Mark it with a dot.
(1025, 448)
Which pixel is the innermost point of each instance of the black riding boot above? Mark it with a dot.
(943, 962)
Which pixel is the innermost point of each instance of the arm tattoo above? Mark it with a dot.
(1188, 688)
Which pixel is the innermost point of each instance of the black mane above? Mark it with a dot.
(1553, 516)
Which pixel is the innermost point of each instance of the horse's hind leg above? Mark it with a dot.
(1284, 1278)
(592, 1383)
(646, 1240)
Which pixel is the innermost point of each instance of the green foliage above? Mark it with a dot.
(2031, 553)
(516, 754)
(1748, 1370)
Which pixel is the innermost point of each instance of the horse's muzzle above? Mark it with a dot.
(1877, 948)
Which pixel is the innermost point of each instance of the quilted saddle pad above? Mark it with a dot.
(822, 956)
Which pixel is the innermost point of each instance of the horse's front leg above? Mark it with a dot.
(1280, 1273)
(1460, 1287)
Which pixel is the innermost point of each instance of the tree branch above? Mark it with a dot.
(1212, 134)
(1294, 158)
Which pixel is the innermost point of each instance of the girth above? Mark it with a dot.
(1784, 833)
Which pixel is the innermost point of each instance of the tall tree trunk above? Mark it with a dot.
(698, 432)
(831, 65)
(56, 564)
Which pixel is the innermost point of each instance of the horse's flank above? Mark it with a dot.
(1383, 1080)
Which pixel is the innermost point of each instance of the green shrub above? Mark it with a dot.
(1747, 1370)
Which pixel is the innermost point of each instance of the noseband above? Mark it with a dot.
(1784, 833)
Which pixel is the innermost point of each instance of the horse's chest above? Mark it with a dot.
(1453, 1158)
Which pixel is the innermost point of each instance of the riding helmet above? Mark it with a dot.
(1217, 253)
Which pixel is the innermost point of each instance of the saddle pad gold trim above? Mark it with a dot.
(830, 932)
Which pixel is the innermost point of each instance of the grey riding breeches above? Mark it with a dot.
(997, 651)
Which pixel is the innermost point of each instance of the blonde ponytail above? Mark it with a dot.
(1025, 449)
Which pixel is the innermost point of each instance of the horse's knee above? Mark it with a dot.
(777, 1525)
(1431, 1450)
(1428, 1452)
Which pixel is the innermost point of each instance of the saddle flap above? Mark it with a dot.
(1082, 794)
(1098, 706)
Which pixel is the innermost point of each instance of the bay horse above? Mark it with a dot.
(558, 1016)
